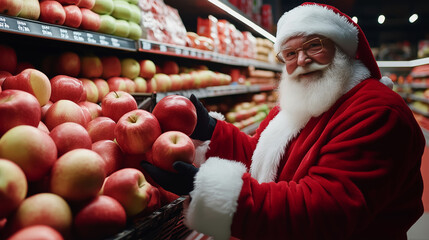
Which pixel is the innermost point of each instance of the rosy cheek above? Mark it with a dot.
(290, 68)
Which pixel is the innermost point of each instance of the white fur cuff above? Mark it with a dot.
(214, 200)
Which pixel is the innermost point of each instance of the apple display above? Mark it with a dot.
(117, 103)
(101, 128)
(102, 87)
(136, 14)
(130, 68)
(130, 188)
(122, 28)
(111, 154)
(184, 112)
(64, 111)
(66, 87)
(11, 7)
(121, 10)
(18, 108)
(117, 84)
(43, 209)
(86, 4)
(68, 63)
(131, 85)
(78, 175)
(187, 80)
(43, 127)
(91, 66)
(103, 7)
(52, 12)
(111, 67)
(45, 109)
(93, 108)
(163, 82)
(135, 31)
(73, 16)
(30, 9)
(13, 187)
(8, 59)
(68, 136)
(32, 81)
(147, 69)
(136, 131)
(102, 217)
(141, 85)
(151, 85)
(37, 232)
(107, 24)
(90, 20)
(32, 149)
(170, 67)
(91, 90)
(170, 147)
(176, 82)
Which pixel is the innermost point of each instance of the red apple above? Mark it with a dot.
(91, 67)
(86, 4)
(176, 82)
(43, 209)
(13, 187)
(151, 85)
(3, 76)
(32, 81)
(11, 7)
(170, 67)
(73, 16)
(130, 188)
(68, 63)
(131, 86)
(43, 127)
(65, 111)
(101, 128)
(65, 87)
(32, 149)
(102, 87)
(90, 20)
(78, 175)
(136, 131)
(188, 81)
(116, 104)
(68, 136)
(91, 90)
(184, 112)
(37, 232)
(117, 84)
(111, 153)
(69, 2)
(170, 147)
(141, 85)
(102, 217)
(18, 108)
(147, 69)
(52, 12)
(163, 82)
(45, 109)
(93, 108)
(111, 67)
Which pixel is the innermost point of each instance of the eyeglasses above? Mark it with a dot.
(310, 48)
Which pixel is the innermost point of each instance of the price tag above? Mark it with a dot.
(146, 46)
(206, 55)
(64, 34)
(90, 38)
(103, 40)
(46, 31)
(178, 51)
(185, 52)
(3, 23)
(22, 26)
(78, 36)
(163, 48)
(115, 42)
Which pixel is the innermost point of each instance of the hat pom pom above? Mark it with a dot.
(387, 81)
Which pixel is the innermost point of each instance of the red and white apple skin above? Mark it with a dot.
(69, 2)
(90, 21)
(136, 131)
(68, 63)
(91, 90)
(170, 147)
(13, 187)
(147, 69)
(37, 232)
(43, 127)
(32, 149)
(176, 82)
(117, 84)
(111, 66)
(93, 108)
(102, 87)
(100, 218)
(8, 58)
(18, 108)
(73, 16)
(188, 81)
(43, 209)
(130, 188)
(184, 112)
(101, 128)
(52, 12)
(66, 87)
(32, 81)
(116, 104)
(91, 67)
(78, 175)
(141, 84)
(151, 85)
(170, 67)
(45, 109)
(30, 10)
(86, 4)
(11, 7)
(131, 86)
(111, 153)
(68, 136)
(65, 111)
(163, 82)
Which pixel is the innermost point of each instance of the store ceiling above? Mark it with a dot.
(396, 27)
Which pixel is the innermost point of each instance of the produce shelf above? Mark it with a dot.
(418, 98)
(418, 111)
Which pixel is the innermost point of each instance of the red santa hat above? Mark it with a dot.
(314, 18)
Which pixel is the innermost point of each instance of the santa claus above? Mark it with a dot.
(338, 158)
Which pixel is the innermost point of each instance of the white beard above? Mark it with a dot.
(306, 97)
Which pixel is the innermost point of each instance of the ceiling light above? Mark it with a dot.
(243, 19)
(413, 18)
(355, 19)
(381, 19)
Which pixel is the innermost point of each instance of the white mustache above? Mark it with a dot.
(309, 68)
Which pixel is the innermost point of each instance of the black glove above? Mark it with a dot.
(205, 124)
(180, 183)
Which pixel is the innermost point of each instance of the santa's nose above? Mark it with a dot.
(303, 58)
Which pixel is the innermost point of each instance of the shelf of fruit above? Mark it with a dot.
(403, 64)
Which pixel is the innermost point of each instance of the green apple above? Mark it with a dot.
(108, 24)
(103, 6)
(135, 2)
(121, 10)
(135, 31)
(122, 28)
(136, 13)
(130, 68)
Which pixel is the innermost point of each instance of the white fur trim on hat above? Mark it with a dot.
(316, 19)
(218, 185)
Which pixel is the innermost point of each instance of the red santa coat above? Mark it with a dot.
(351, 173)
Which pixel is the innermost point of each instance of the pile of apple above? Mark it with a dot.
(77, 174)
